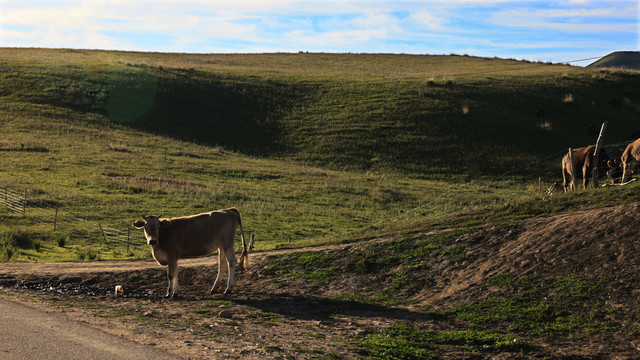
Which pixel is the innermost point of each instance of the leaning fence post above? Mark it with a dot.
(128, 237)
(596, 155)
(573, 170)
(55, 219)
(103, 236)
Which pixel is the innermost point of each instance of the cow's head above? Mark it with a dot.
(151, 226)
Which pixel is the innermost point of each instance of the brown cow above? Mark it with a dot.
(630, 159)
(583, 159)
(193, 236)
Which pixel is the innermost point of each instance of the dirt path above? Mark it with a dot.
(31, 334)
(17, 269)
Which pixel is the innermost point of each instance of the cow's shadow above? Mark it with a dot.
(316, 308)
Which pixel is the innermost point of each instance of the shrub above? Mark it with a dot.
(7, 252)
(36, 244)
(61, 240)
(11, 240)
(7, 245)
(87, 254)
(7, 248)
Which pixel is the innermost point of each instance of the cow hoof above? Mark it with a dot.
(226, 292)
(176, 297)
(167, 296)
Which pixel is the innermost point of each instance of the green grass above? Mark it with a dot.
(267, 318)
(213, 308)
(541, 306)
(317, 266)
(399, 267)
(315, 148)
(402, 341)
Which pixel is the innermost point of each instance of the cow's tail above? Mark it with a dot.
(244, 256)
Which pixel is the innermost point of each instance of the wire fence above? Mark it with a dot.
(13, 200)
(47, 213)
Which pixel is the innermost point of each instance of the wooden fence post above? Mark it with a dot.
(539, 183)
(251, 242)
(128, 237)
(596, 155)
(24, 203)
(103, 236)
(573, 170)
(55, 220)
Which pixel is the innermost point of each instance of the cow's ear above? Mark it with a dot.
(138, 224)
(165, 223)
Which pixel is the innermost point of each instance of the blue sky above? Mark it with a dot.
(558, 31)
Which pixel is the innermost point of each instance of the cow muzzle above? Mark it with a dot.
(152, 242)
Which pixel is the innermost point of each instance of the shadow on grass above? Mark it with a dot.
(238, 114)
(305, 307)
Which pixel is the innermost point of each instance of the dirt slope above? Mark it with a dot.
(594, 244)
(280, 317)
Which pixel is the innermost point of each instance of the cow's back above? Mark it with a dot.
(631, 152)
(581, 156)
(199, 235)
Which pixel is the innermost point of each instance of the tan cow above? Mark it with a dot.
(630, 159)
(193, 236)
(583, 159)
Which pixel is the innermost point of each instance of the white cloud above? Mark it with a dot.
(571, 20)
(334, 40)
(577, 2)
(429, 20)
(104, 24)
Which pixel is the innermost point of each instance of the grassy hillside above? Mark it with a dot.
(629, 60)
(312, 147)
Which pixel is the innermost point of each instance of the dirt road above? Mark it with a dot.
(31, 334)
(70, 268)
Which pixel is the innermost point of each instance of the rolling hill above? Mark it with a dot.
(627, 60)
(310, 147)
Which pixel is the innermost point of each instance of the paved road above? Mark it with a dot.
(27, 333)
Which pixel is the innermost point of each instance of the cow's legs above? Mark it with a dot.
(624, 172)
(231, 262)
(221, 270)
(172, 276)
